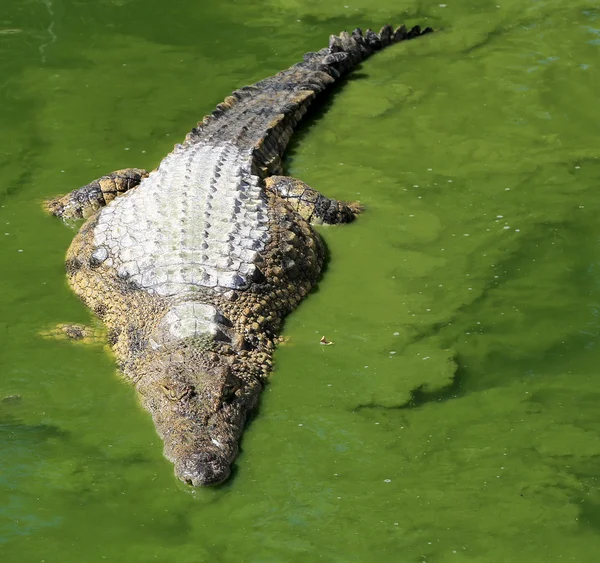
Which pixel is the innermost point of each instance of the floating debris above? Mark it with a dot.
(10, 31)
(325, 342)
(11, 399)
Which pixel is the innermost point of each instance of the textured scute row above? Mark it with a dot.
(200, 220)
(198, 359)
(189, 319)
(347, 50)
(267, 152)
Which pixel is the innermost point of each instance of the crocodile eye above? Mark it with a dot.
(228, 393)
(169, 393)
(187, 393)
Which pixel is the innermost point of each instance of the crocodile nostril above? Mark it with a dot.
(201, 469)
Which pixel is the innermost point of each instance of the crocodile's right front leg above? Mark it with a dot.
(82, 202)
(311, 204)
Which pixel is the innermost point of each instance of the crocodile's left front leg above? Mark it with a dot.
(311, 204)
(82, 202)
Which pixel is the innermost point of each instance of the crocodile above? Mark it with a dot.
(192, 267)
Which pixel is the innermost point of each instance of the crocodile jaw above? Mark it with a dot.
(202, 469)
(199, 403)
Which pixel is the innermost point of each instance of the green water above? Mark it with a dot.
(455, 419)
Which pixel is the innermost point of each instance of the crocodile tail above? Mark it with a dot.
(261, 117)
(347, 50)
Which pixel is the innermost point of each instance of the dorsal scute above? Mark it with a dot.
(196, 223)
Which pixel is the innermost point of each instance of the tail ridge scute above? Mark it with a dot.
(386, 34)
(357, 46)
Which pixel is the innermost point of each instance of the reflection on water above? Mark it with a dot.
(51, 34)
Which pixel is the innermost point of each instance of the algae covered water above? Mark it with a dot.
(455, 418)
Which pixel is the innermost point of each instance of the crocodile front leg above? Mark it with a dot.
(76, 333)
(311, 204)
(82, 202)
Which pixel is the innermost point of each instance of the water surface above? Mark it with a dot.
(455, 418)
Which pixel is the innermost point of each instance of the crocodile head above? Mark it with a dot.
(199, 406)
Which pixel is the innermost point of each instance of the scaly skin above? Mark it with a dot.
(194, 266)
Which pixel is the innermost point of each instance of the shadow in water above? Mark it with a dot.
(316, 111)
(420, 396)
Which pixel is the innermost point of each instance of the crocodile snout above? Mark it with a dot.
(202, 469)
